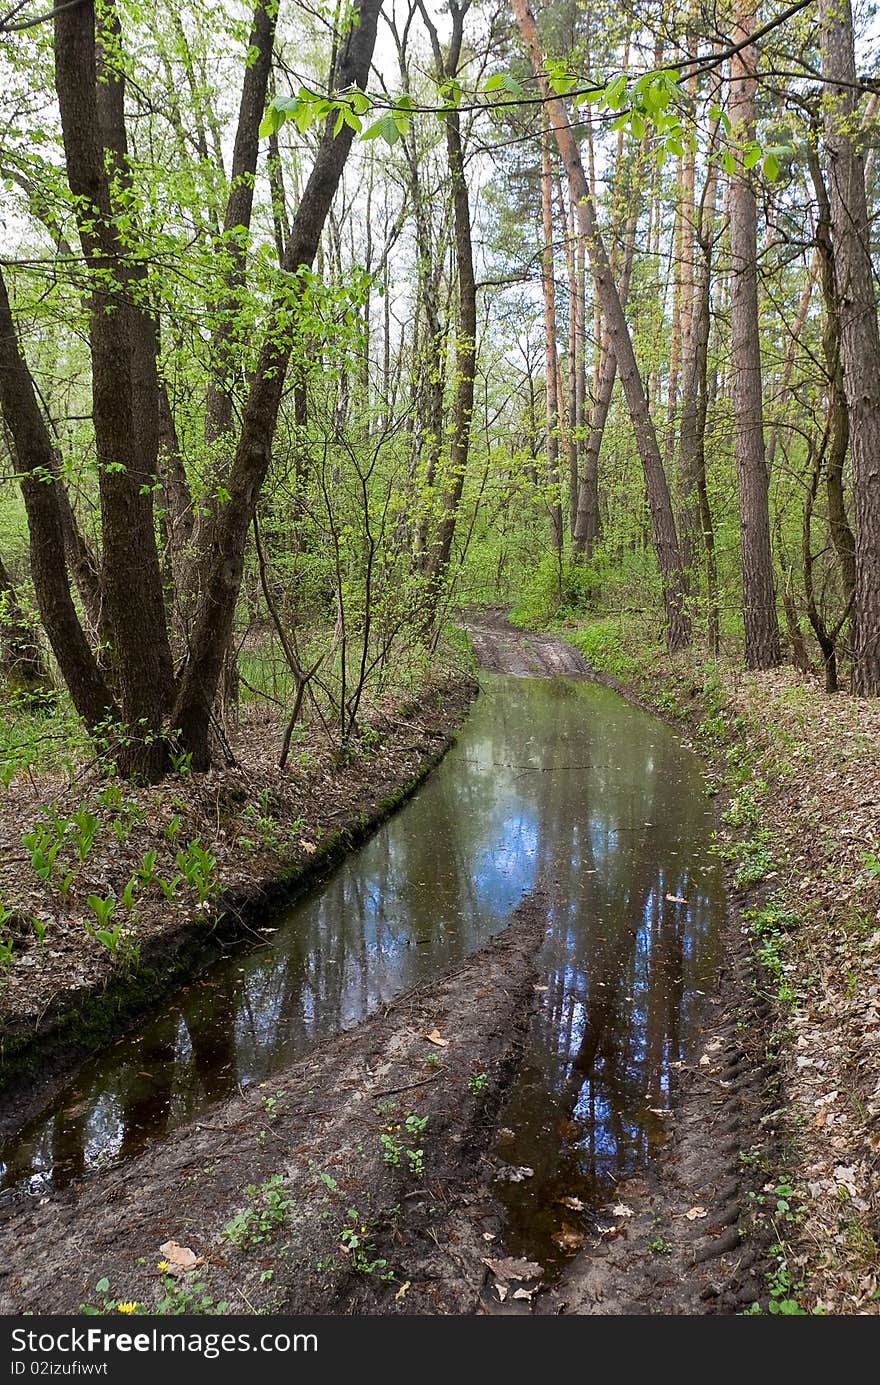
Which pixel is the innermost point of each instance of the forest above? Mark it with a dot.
(385, 376)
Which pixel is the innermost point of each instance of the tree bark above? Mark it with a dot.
(842, 536)
(466, 338)
(665, 535)
(551, 365)
(124, 380)
(859, 334)
(237, 219)
(697, 528)
(762, 648)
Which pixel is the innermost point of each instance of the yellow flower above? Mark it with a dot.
(126, 1307)
(162, 1265)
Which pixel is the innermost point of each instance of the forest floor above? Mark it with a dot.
(797, 773)
(267, 835)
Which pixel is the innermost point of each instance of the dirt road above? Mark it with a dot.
(500, 648)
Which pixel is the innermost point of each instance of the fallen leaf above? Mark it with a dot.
(435, 1037)
(308, 847)
(695, 1213)
(676, 899)
(660, 1110)
(402, 1291)
(179, 1257)
(621, 1211)
(524, 1293)
(511, 1268)
(705, 1060)
(573, 1202)
(514, 1174)
(501, 1291)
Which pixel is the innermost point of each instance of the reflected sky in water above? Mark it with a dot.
(554, 784)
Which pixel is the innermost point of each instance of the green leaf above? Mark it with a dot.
(271, 122)
(385, 128)
(771, 167)
(728, 162)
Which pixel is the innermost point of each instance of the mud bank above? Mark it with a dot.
(357, 1232)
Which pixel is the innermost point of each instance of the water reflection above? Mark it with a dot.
(552, 782)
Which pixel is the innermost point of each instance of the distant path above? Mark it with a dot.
(501, 648)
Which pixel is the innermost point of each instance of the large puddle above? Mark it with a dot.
(554, 784)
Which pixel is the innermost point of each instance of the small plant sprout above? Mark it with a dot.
(102, 907)
(146, 871)
(196, 866)
(477, 1082)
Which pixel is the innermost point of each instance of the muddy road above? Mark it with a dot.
(543, 1102)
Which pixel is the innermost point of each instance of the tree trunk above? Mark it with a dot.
(859, 334)
(838, 418)
(665, 535)
(758, 589)
(550, 357)
(237, 220)
(587, 524)
(697, 527)
(124, 381)
(221, 570)
(466, 339)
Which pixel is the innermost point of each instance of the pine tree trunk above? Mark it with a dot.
(758, 589)
(551, 369)
(859, 334)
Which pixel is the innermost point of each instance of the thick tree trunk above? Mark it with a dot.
(124, 381)
(859, 334)
(838, 418)
(665, 536)
(222, 567)
(35, 460)
(758, 589)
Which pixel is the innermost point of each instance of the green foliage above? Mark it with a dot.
(356, 1240)
(603, 649)
(268, 1209)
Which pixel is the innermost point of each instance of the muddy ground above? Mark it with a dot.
(361, 1233)
(423, 1228)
